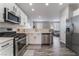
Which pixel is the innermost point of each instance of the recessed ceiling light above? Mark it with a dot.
(46, 4)
(60, 3)
(33, 9)
(30, 3)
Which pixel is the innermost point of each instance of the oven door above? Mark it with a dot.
(20, 46)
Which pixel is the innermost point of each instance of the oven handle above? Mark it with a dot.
(21, 39)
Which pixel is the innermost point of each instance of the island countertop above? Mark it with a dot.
(35, 31)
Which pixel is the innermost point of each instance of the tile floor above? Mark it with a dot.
(57, 49)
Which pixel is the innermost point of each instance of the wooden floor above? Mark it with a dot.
(57, 49)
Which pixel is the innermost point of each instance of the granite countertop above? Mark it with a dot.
(4, 39)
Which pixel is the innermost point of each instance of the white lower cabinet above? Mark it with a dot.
(7, 51)
(34, 38)
(6, 48)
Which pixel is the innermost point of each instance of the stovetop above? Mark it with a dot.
(7, 34)
(12, 34)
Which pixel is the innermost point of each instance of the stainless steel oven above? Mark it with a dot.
(19, 44)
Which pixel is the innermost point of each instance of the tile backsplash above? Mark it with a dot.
(9, 25)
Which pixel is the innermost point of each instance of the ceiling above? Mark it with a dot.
(74, 6)
(42, 11)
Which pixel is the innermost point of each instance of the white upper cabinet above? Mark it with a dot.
(22, 18)
(13, 7)
(1, 12)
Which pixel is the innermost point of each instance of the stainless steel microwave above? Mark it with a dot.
(10, 17)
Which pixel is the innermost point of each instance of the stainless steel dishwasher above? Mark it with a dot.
(47, 39)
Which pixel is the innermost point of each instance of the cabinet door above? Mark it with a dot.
(34, 38)
(1, 12)
(7, 52)
(11, 50)
(22, 18)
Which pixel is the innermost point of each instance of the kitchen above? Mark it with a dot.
(35, 29)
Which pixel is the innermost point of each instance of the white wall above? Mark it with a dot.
(55, 26)
(46, 25)
(38, 25)
(42, 25)
(63, 17)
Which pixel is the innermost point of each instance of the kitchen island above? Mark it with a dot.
(38, 36)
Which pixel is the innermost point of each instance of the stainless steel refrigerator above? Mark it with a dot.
(72, 34)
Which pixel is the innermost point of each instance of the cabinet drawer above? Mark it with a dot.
(6, 44)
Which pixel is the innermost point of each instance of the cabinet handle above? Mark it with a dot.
(5, 45)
